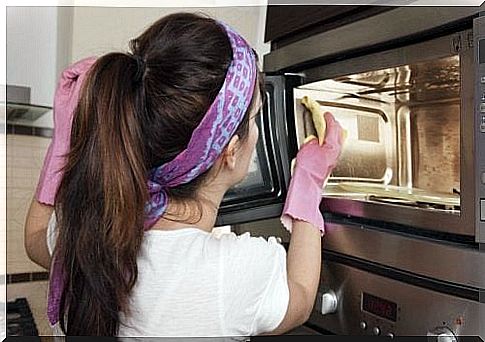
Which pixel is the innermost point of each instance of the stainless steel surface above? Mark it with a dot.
(478, 131)
(482, 210)
(368, 152)
(427, 50)
(18, 94)
(419, 310)
(424, 257)
(435, 141)
(19, 109)
(391, 25)
(402, 124)
(410, 100)
(422, 95)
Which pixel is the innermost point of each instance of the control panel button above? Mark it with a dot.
(376, 331)
(483, 178)
(482, 107)
(363, 325)
(482, 124)
(329, 303)
(391, 335)
(482, 209)
(482, 79)
(443, 334)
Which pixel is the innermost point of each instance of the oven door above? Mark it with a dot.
(261, 195)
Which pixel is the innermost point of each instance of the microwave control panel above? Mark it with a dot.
(479, 46)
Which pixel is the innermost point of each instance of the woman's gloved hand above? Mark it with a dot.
(65, 102)
(314, 163)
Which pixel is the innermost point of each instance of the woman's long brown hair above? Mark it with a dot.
(130, 118)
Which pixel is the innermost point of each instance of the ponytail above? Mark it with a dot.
(100, 201)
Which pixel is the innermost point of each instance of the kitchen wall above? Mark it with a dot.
(97, 30)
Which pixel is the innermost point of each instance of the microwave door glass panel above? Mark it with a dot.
(403, 124)
(254, 177)
(259, 180)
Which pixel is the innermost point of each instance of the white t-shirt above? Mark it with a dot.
(195, 283)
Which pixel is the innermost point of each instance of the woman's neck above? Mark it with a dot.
(185, 214)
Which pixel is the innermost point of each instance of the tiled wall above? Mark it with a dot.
(25, 279)
(25, 156)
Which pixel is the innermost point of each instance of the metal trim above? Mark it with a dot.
(461, 291)
(391, 25)
(478, 156)
(439, 260)
(436, 48)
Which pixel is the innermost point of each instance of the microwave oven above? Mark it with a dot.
(412, 99)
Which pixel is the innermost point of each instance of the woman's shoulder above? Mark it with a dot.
(199, 244)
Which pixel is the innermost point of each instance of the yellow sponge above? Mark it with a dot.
(317, 117)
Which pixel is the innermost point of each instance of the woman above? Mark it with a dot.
(158, 136)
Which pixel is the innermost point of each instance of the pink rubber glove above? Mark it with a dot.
(314, 163)
(65, 102)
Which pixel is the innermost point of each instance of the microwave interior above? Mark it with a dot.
(403, 141)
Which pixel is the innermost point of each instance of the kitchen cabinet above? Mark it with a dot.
(289, 23)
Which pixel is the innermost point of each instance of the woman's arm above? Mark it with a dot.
(65, 102)
(314, 164)
(35, 233)
(303, 267)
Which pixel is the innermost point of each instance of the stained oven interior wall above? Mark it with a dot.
(403, 125)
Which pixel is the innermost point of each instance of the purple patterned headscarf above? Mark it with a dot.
(213, 133)
(206, 144)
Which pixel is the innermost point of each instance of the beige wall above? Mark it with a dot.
(98, 30)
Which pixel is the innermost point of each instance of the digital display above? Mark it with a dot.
(379, 307)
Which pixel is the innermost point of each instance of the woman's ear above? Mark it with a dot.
(229, 155)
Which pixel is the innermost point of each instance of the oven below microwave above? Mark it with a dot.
(360, 298)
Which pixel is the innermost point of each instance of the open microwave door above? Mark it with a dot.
(261, 194)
